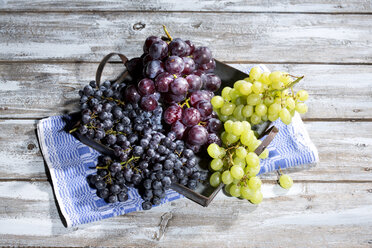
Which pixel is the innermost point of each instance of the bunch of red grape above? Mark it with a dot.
(179, 76)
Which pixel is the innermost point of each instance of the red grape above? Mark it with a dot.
(214, 125)
(178, 47)
(146, 87)
(170, 98)
(198, 96)
(158, 50)
(190, 117)
(149, 41)
(131, 94)
(213, 138)
(191, 47)
(205, 108)
(212, 83)
(163, 81)
(189, 65)
(179, 86)
(174, 64)
(208, 67)
(149, 103)
(154, 68)
(202, 55)
(179, 129)
(197, 135)
(172, 114)
(195, 82)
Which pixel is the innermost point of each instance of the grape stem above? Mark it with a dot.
(290, 85)
(167, 33)
(73, 130)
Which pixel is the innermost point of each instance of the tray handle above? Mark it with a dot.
(103, 62)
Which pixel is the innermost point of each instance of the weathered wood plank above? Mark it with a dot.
(312, 215)
(193, 5)
(344, 151)
(36, 90)
(241, 37)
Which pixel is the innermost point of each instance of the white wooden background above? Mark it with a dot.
(50, 49)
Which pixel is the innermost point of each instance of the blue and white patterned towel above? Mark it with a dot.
(70, 162)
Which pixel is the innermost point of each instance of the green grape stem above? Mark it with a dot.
(73, 130)
(290, 85)
(167, 33)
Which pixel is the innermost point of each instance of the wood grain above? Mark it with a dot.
(308, 215)
(344, 151)
(318, 6)
(265, 37)
(36, 90)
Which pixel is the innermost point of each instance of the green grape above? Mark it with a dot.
(302, 95)
(234, 93)
(254, 183)
(227, 108)
(246, 192)
(222, 152)
(231, 138)
(226, 177)
(248, 80)
(275, 76)
(286, 79)
(246, 125)
(214, 150)
(225, 93)
(228, 125)
(237, 128)
(217, 102)
(227, 187)
(238, 83)
(241, 152)
(260, 109)
(264, 118)
(274, 109)
(264, 78)
(255, 119)
(252, 171)
(254, 144)
(264, 154)
(255, 73)
(241, 100)
(273, 118)
(301, 108)
(235, 190)
(239, 161)
(224, 138)
(277, 85)
(245, 89)
(237, 172)
(223, 118)
(256, 197)
(216, 164)
(247, 137)
(253, 99)
(215, 179)
(285, 181)
(247, 111)
(285, 116)
(232, 118)
(268, 100)
(238, 112)
(278, 100)
(290, 103)
(257, 87)
(252, 159)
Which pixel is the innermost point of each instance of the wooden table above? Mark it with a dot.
(50, 49)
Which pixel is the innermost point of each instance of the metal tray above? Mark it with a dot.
(204, 193)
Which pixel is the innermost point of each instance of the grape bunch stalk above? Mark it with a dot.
(177, 75)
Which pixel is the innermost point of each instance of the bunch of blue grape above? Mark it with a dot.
(179, 76)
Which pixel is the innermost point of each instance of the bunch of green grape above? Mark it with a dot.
(260, 97)
(236, 164)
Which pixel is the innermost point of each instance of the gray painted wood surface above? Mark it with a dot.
(50, 49)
